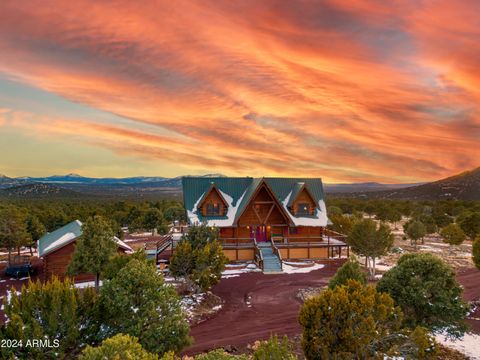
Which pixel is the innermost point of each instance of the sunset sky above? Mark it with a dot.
(346, 90)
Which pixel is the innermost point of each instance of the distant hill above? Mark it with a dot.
(464, 186)
(363, 187)
(38, 190)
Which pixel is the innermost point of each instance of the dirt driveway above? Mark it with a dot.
(257, 305)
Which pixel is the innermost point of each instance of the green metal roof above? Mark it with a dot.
(194, 189)
(59, 238)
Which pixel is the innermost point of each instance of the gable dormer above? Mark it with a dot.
(213, 203)
(301, 202)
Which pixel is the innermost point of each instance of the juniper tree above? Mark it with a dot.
(428, 293)
(470, 224)
(54, 311)
(36, 230)
(199, 257)
(347, 321)
(416, 231)
(476, 252)
(138, 303)
(453, 235)
(370, 241)
(93, 249)
(349, 271)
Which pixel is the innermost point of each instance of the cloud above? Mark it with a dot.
(344, 90)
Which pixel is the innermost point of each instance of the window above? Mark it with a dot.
(303, 209)
(213, 209)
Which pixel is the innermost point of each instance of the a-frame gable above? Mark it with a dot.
(262, 206)
(213, 192)
(302, 195)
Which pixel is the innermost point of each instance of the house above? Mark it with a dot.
(285, 215)
(56, 250)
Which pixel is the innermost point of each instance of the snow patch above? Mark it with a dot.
(468, 345)
(288, 269)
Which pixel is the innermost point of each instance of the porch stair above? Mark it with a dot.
(271, 262)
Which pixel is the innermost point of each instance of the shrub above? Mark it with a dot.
(476, 252)
(220, 354)
(274, 349)
(428, 293)
(347, 321)
(119, 347)
(349, 271)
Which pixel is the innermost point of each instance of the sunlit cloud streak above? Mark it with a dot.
(350, 91)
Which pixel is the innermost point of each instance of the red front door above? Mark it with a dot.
(261, 233)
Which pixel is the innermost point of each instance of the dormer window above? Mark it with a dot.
(213, 209)
(303, 209)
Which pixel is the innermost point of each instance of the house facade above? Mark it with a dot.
(288, 214)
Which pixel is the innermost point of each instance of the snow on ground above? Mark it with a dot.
(469, 344)
(288, 269)
(86, 284)
(237, 272)
(382, 267)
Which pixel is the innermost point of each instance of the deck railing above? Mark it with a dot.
(258, 255)
(276, 251)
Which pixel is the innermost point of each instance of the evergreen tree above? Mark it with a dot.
(153, 219)
(394, 216)
(118, 347)
(476, 252)
(36, 230)
(120, 260)
(349, 271)
(138, 303)
(199, 258)
(220, 354)
(369, 241)
(453, 235)
(53, 311)
(470, 225)
(347, 322)
(341, 223)
(93, 249)
(416, 231)
(13, 230)
(428, 293)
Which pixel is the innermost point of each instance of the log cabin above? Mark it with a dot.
(287, 215)
(56, 250)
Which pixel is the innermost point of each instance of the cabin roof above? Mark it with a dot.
(237, 192)
(65, 235)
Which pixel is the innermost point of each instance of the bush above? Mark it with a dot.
(274, 349)
(349, 271)
(119, 347)
(220, 354)
(347, 321)
(428, 293)
(138, 303)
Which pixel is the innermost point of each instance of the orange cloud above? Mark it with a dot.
(344, 90)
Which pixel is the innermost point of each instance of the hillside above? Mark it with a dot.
(37, 190)
(464, 186)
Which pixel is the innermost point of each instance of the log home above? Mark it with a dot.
(287, 215)
(56, 250)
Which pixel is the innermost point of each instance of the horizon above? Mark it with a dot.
(348, 92)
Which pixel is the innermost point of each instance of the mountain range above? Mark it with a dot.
(464, 186)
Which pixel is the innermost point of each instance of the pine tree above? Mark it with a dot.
(138, 303)
(349, 271)
(36, 230)
(428, 293)
(50, 311)
(13, 230)
(347, 322)
(199, 258)
(369, 241)
(453, 235)
(93, 249)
